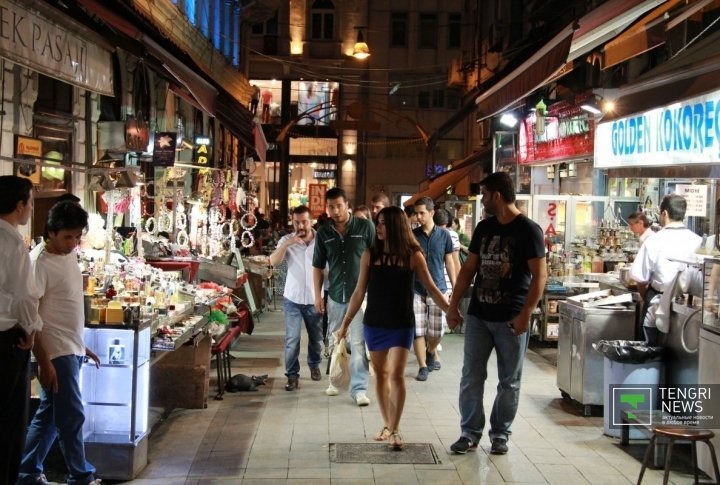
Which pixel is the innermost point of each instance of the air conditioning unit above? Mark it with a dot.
(456, 77)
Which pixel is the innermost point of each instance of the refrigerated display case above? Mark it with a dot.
(116, 398)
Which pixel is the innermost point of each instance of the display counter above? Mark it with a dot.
(189, 267)
(557, 290)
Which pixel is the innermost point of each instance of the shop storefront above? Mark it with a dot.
(299, 119)
(53, 69)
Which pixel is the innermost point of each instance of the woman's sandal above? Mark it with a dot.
(383, 435)
(396, 441)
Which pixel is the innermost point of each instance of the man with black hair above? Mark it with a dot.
(656, 263)
(68, 198)
(438, 249)
(341, 244)
(507, 261)
(59, 349)
(297, 249)
(19, 321)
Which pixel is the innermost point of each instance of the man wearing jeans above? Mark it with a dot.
(507, 259)
(19, 321)
(299, 297)
(59, 350)
(340, 244)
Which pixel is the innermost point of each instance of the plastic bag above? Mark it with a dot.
(628, 351)
(340, 366)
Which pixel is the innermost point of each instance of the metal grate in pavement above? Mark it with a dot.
(412, 453)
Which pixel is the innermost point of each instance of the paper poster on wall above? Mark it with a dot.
(31, 149)
(696, 197)
(316, 201)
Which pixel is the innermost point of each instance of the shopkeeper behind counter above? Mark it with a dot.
(653, 269)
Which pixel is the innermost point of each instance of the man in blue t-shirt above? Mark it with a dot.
(438, 249)
(507, 259)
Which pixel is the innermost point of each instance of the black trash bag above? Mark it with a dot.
(628, 351)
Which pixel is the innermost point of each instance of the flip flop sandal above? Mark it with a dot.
(383, 435)
(396, 441)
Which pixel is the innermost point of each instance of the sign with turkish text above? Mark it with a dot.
(202, 153)
(316, 200)
(696, 197)
(30, 39)
(687, 132)
(164, 149)
(561, 139)
(31, 149)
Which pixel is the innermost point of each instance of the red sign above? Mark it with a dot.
(316, 200)
(561, 139)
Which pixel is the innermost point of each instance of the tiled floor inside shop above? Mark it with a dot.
(274, 436)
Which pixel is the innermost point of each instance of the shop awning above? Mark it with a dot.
(527, 77)
(693, 72)
(505, 89)
(649, 32)
(185, 81)
(605, 22)
(204, 93)
(438, 186)
(435, 187)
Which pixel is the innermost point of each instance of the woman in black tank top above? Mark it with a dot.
(386, 274)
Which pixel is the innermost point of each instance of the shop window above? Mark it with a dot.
(454, 30)
(428, 33)
(398, 29)
(54, 96)
(438, 98)
(269, 27)
(322, 20)
(452, 100)
(424, 99)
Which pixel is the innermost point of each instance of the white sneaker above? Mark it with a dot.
(361, 399)
(97, 481)
(331, 390)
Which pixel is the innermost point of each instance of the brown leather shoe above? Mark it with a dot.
(292, 384)
(315, 373)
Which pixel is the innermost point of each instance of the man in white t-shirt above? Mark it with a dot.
(297, 249)
(656, 263)
(59, 349)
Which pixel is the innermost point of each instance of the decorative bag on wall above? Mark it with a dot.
(137, 135)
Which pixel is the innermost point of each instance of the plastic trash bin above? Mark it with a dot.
(628, 363)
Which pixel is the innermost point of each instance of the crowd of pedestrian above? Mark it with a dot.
(389, 280)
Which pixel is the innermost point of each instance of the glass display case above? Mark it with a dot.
(711, 295)
(115, 398)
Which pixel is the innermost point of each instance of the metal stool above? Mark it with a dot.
(686, 434)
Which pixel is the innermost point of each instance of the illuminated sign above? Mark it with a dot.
(687, 132)
(316, 201)
(324, 174)
(30, 148)
(202, 152)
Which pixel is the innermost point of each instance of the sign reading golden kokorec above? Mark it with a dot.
(29, 39)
